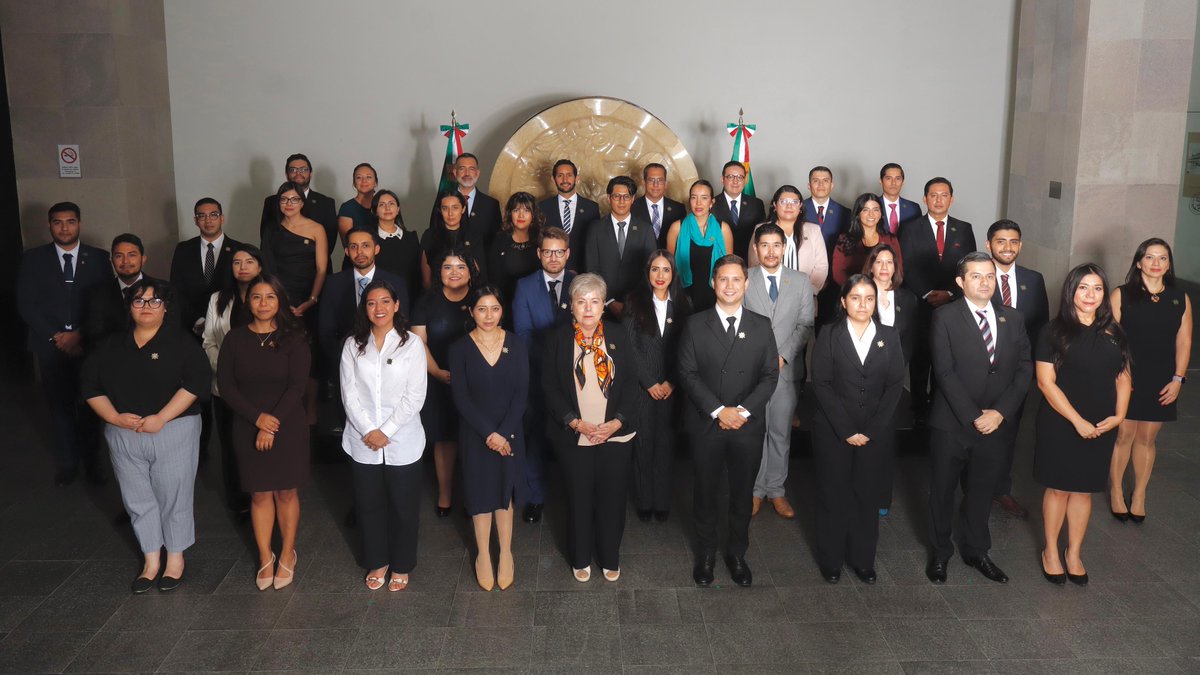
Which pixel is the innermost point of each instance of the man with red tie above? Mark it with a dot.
(932, 247)
(896, 209)
(821, 209)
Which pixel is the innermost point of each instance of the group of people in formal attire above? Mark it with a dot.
(504, 334)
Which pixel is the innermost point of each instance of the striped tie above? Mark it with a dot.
(566, 217)
(986, 330)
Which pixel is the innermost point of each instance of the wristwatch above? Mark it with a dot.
(1181, 379)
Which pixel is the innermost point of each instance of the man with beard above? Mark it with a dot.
(654, 206)
(316, 206)
(108, 307)
(201, 265)
(482, 220)
(570, 210)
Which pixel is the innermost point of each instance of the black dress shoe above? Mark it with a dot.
(64, 477)
(1077, 579)
(533, 513)
(936, 571)
(442, 511)
(167, 584)
(865, 575)
(661, 516)
(987, 568)
(831, 577)
(141, 585)
(645, 515)
(702, 572)
(739, 571)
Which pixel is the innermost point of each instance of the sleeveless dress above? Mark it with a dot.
(1151, 328)
(445, 322)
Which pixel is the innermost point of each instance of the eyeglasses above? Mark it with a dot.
(215, 215)
(620, 198)
(299, 169)
(152, 303)
(655, 181)
(291, 200)
(554, 252)
(735, 179)
(789, 202)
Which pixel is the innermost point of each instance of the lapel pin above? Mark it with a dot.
(154, 356)
(501, 252)
(953, 229)
(633, 229)
(669, 320)
(897, 308)
(1175, 301)
(463, 307)
(504, 350)
(227, 249)
(472, 214)
(307, 242)
(1001, 319)
(563, 306)
(1022, 286)
(741, 336)
(389, 362)
(612, 347)
(879, 344)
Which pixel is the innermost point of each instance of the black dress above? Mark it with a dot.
(444, 322)
(436, 240)
(701, 291)
(1062, 459)
(402, 256)
(1151, 328)
(292, 258)
(507, 262)
(490, 398)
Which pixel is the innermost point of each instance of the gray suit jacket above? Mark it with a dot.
(791, 315)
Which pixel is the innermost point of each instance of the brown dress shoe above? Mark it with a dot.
(1011, 505)
(757, 505)
(782, 507)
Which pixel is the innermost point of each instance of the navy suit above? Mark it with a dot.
(585, 211)
(751, 213)
(837, 221)
(339, 302)
(48, 304)
(908, 210)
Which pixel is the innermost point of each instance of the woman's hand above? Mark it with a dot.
(303, 307)
(151, 424)
(1085, 429)
(604, 431)
(1168, 394)
(267, 422)
(584, 428)
(376, 440)
(858, 440)
(1108, 424)
(442, 376)
(127, 421)
(263, 441)
(495, 442)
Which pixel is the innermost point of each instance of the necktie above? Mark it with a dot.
(732, 332)
(566, 216)
(363, 282)
(621, 239)
(655, 219)
(986, 331)
(210, 263)
(733, 212)
(553, 286)
(820, 215)
(773, 291)
(941, 238)
(68, 268)
(1005, 293)
(893, 217)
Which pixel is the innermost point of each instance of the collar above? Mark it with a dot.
(986, 309)
(1012, 269)
(724, 317)
(574, 197)
(660, 202)
(123, 286)
(561, 276)
(370, 275)
(470, 195)
(888, 202)
(60, 250)
(731, 198)
(822, 203)
(217, 243)
(627, 220)
(398, 234)
(933, 221)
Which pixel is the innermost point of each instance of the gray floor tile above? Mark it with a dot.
(902, 601)
(322, 651)
(753, 644)
(36, 578)
(651, 570)
(409, 609)
(656, 645)
(71, 613)
(216, 650)
(566, 608)
(809, 604)
(14, 609)
(1152, 599)
(841, 641)
(492, 648)
(41, 652)
(1017, 638)
(507, 608)
(570, 648)
(324, 611)
(126, 651)
(156, 612)
(929, 640)
(385, 648)
(659, 606)
(239, 612)
(994, 602)
(1109, 638)
(742, 605)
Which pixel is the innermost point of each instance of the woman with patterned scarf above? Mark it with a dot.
(590, 381)
(697, 242)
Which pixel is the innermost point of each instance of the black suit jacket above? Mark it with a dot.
(46, 302)
(586, 211)
(316, 207)
(656, 351)
(621, 272)
(715, 372)
(1031, 300)
(907, 306)
(107, 312)
(750, 214)
(559, 385)
(672, 211)
(187, 277)
(923, 270)
(857, 397)
(483, 222)
(967, 384)
(335, 312)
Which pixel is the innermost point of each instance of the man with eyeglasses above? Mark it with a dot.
(619, 246)
(539, 304)
(570, 210)
(316, 207)
(53, 286)
(482, 220)
(654, 206)
(742, 213)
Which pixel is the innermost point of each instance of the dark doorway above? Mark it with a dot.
(13, 363)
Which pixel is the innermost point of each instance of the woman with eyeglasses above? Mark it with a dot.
(804, 248)
(147, 385)
(514, 250)
(446, 232)
(297, 251)
(356, 212)
(867, 230)
(399, 252)
(698, 241)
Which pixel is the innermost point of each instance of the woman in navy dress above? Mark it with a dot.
(490, 380)
(357, 212)
(1157, 319)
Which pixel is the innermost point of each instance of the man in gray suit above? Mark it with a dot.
(784, 296)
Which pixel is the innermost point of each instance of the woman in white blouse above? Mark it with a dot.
(383, 389)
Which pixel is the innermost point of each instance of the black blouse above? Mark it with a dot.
(143, 380)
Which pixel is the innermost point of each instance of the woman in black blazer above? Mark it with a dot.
(655, 314)
(858, 372)
(591, 390)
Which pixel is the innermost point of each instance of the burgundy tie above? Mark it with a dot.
(893, 218)
(941, 238)
(1005, 293)
(820, 215)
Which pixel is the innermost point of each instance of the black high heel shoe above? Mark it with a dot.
(1132, 516)
(1122, 516)
(1056, 579)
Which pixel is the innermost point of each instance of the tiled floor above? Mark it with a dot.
(65, 607)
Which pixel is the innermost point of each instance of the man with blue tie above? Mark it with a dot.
(538, 305)
(821, 209)
(654, 206)
(53, 286)
(570, 210)
(896, 209)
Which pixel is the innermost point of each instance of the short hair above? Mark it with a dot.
(64, 206)
(553, 233)
(972, 257)
(733, 162)
(365, 165)
(820, 168)
(161, 289)
(588, 282)
(938, 179)
(1003, 225)
(729, 259)
(564, 162)
(467, 155)
(295, 156)
(766, 229)
(128, 238)
(208, 200)
(363, 229)
(653, 165)
(621, 180)
(890, 165)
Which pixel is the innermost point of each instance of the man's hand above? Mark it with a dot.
(988, 422)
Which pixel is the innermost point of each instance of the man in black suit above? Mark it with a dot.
(200, 265)
(982, 365)
(1024, 290)
(569, 210)
(728, 365)
(108, 309)
(654, 206)
(896, 209)
(482, 220)
(53, 286)
(732, 206)
(822, 209)
(316, 207)
(619, 246)
(932, 247)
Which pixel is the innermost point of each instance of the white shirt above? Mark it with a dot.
(617, 230)
(216, 243)
(887, 315)
(384, 390)
(737, 323)
(62, 263)
(818, 205)
(862, 345)
(660, 312)
(989, 312)
(574, 199)
(216, 326)
(888, 206)
(546, 279)
(369, 276)
(1012, 282)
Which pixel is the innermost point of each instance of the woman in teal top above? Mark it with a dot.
(696, 242)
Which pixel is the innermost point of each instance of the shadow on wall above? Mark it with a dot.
(246, 202)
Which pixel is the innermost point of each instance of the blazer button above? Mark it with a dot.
(724, 372)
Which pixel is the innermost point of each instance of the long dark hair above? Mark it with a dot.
(440, 258)
(640, 301)
(1065, 327)
(855, 280)
(772, 217)
(229, 288)
(538, 219)
(1135, 289)
(287, 325)
(361, 332)
(854, 234)
(399, 214)
(286, 186)
(478, 294)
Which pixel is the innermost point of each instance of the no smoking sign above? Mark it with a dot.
(68, 162)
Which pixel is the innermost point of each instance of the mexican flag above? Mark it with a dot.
(454, 133)
(741, 134)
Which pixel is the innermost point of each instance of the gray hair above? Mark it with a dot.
(589, 283)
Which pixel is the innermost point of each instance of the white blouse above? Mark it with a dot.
(384, 390)
(887, 314)
(216, 327)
